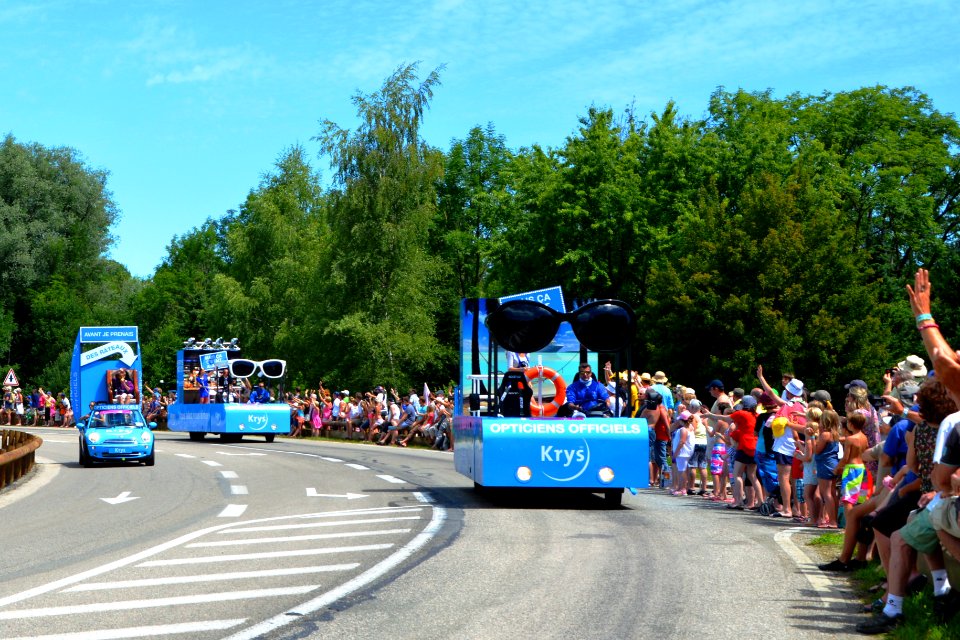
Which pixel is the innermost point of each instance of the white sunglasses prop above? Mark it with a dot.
(243, 368)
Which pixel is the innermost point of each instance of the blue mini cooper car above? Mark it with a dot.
(116, 433)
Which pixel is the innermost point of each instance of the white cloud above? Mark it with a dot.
(169, 55)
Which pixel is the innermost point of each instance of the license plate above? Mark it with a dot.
(118, 450)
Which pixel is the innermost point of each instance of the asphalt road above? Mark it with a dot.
(305, 540)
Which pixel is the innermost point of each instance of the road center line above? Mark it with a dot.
(239, 490)
(230, 475)
(315, 536)
(359, 467)
(392, 479)
(133, 605)
(233, 511)
(212, 463)
(142, 632)
(263, 555)
(210, 577)
(311, 525)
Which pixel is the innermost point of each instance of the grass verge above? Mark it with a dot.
(919, 621)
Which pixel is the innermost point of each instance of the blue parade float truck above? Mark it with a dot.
(209, 380)
(105, 379)
(517, 355)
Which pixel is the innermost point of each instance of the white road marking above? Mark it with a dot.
(160, 548)
(229, 474)
(212, 463)
(312, 493)
(185, 455)
(310, 525)
(264, 555)
(133, 605)
(330, 459)
(370, 575)
(142, 632)
(315, 536)
(239, 490)
(233, 511)
(392, 479)
(210, 577)
(121, 498)
(822, 585)
(359, 467)
(225, 453)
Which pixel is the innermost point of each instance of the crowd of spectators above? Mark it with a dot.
(884, 467)
(373, 416)
(39, 408)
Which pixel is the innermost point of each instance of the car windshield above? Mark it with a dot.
(108, 419)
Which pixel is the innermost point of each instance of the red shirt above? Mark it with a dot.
(744, 434)
(662, 426)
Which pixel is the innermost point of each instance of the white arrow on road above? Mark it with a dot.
(123, 497)
(312, 493)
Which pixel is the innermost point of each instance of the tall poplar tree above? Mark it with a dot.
(378, 299)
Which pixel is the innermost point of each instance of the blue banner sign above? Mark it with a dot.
(552, 297)
(257, 419)
(514, 452)
(214, 360)
(109, 334)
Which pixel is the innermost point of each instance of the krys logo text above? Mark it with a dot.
(566, 463)
(257, 422)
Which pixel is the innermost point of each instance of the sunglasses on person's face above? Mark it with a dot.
(526, 325)
(243, 368)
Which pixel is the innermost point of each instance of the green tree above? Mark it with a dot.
(55, 216)
(268, 293)
(586, 224)
(172, 306)
(474, 206)
(378, 302)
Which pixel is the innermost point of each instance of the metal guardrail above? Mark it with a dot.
(17, 453)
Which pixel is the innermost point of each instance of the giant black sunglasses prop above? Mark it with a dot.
(525, 326)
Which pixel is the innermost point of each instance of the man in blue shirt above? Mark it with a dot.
(260, 395)
(585, 394)
(660, 386)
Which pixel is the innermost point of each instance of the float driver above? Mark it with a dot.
(585, 395)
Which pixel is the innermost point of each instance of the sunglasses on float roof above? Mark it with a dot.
(526, 325)
(243, 368)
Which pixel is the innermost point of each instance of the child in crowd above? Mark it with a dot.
(718, 459)
(682, 450)
(799, 506)
(854, 480)
(827, 458)
(810, 493)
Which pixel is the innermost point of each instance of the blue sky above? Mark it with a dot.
(188, 104)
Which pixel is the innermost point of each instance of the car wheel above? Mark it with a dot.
(197, 435)
(612, 497)
(85, 458)
(150, 459)
(270, 437)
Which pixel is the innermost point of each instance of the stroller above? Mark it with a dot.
(767, 473)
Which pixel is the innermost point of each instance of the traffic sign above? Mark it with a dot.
(11, 379)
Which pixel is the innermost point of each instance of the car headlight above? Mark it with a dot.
(146, 437)
(93, 438)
